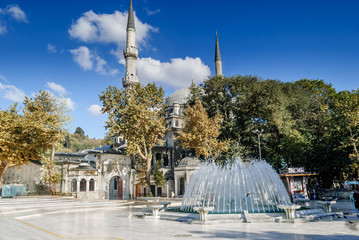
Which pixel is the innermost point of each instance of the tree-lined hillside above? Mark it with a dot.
(79, 141)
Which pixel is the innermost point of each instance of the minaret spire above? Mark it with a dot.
(217, 58)
(130, 20)
(131, 52)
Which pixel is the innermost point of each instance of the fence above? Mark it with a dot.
(13, 190)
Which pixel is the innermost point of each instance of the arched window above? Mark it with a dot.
(92, 185)
(181, 186)
(73, 185)
(165, 159)
(83, 185)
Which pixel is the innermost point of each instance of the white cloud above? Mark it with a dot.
(176, 73)
(95, 109)
(149, 12)
(108, 28)
(3, 78)
(101, 67)
(89, 61)
(65, 101)
(51, 48)
(3, 29)
(82, 56)
(57, 88)
(11, 93)
(16, 12)
(68, 102)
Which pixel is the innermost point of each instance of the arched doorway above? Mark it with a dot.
(115, 188)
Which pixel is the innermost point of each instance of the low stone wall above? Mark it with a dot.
(340, 193)
(87, 195)
(29, 175)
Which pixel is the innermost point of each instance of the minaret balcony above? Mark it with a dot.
(129, 80)
(130, 52)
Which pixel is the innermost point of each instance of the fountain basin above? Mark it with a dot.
(254, 187)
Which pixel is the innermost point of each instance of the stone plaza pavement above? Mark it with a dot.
(67, 218)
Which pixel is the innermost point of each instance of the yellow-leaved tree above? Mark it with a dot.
(136, 114)
(49, 116)
(15, 140)
(33, 135)
(200, 132)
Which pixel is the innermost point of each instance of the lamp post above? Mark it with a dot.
(259, 141)
(62, 177)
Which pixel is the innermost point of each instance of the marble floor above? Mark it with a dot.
(66, 218)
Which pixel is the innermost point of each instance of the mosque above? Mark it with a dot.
(176, 166)
(106, 172)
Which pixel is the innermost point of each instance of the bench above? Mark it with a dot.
(165, 204)
(289, 210)
(327, 205)
(203, 212)
(155, 209)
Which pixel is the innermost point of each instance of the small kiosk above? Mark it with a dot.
(295, 180)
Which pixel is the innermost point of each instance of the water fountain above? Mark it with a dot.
(235, 188)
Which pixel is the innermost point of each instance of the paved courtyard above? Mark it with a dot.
(66, 218)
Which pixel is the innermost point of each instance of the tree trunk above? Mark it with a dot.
(52, 184)
(354, 145)
(148, 176)
(355, 150)
(2, 176)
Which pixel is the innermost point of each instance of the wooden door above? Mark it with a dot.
(138, 190)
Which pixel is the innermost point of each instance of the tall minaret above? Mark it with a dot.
(217, 59)
(130, 53)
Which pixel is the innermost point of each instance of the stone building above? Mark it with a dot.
(183, 173)
(96, 174)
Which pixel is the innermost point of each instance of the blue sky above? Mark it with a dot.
(74, 48)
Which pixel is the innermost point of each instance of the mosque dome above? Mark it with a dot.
(189, 162)
(180, 96)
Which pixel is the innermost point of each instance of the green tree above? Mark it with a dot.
(305, 123)
(200, 132)
(80, 132)
(136, 114)
(345, 127)
(158, 176)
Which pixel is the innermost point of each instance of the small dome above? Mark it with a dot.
(189, 162)
(180, 96)
(85, 166)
